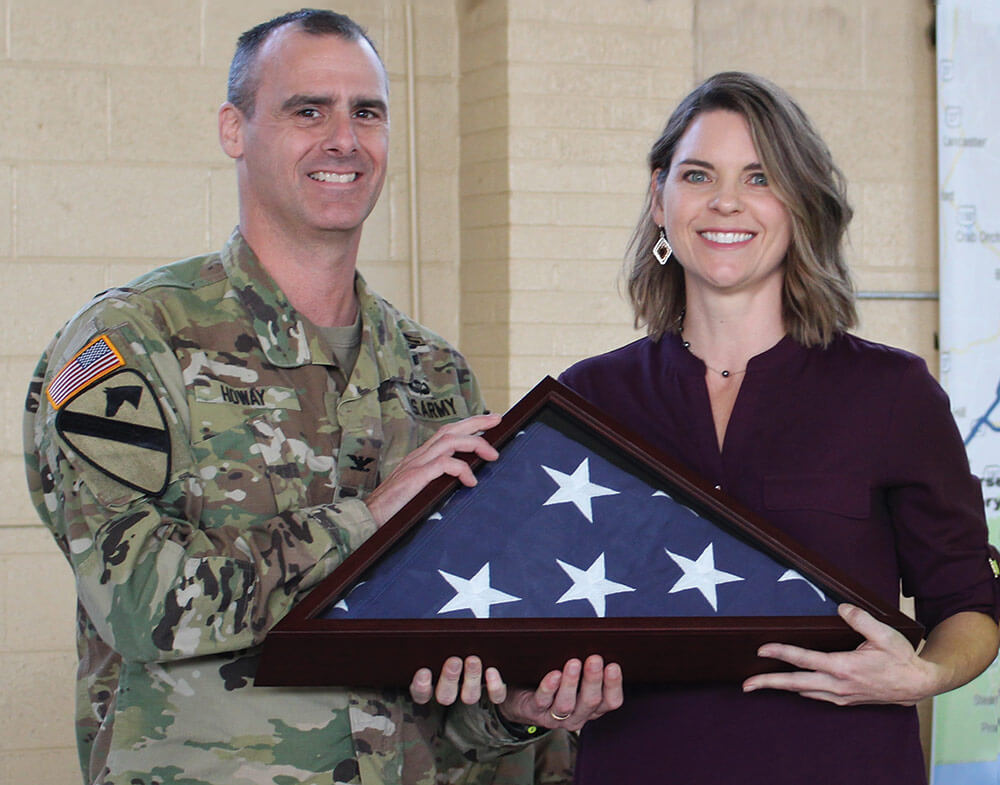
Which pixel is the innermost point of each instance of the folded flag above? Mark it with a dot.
(554, 528)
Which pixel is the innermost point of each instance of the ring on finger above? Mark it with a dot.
(559, 717)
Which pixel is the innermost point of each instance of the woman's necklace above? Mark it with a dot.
(724, 373)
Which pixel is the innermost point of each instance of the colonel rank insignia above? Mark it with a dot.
(118, 426)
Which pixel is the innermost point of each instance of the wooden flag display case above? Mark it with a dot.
(312, 645)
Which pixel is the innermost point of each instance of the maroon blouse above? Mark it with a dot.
(853, 451)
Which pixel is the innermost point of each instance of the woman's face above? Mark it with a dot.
(728, 229)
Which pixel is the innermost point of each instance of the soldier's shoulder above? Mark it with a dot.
(412, 351)
(137, 317)
(145, 296)
(192, 273)
(437, 357)
(423, 344)
(417, 335)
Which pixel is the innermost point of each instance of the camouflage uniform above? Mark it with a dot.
(198, 488)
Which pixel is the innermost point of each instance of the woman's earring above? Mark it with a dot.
(662, 249)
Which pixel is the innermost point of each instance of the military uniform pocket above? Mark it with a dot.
(411, 412)
(299, 476)
(424, 403)
(231, 477)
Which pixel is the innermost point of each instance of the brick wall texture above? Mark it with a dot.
(511, 193)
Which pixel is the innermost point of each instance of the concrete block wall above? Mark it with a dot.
(530, 125)
(567, 98)
(590, 85)
(486, 211)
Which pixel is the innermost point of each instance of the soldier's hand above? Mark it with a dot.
(432, 459)
(569, 698)
(459, 679)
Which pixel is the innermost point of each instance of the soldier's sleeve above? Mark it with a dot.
(112, 471)
(551, 760)
(479, 735)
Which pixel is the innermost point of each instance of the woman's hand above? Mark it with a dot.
(566, 698)
(885, 668)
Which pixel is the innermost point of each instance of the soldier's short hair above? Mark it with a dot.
(242, 84)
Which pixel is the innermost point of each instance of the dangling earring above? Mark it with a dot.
(662, 249)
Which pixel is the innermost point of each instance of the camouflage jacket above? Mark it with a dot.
(202, 463)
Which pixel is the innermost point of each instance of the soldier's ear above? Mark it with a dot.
(231, 122)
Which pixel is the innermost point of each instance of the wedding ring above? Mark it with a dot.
(559, 717)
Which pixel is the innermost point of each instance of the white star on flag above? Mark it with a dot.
(343, 603)
(701, 575)
(590, 585)
(475, 593)
(666, 495)
(577, 488)
(792, 575)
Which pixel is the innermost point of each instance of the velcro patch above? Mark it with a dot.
(118, 427)
(94, 361)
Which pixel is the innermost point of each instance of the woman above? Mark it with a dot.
(749, 377)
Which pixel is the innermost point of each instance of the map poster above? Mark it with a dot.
(966, 739)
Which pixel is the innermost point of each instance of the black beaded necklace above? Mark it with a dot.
(725, 374)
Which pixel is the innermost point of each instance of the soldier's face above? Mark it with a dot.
(312, 157)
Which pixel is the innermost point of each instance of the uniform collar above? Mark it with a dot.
(289, 340)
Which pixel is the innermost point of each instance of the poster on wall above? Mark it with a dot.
(966, 737)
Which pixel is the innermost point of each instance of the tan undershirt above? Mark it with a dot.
(344, 342)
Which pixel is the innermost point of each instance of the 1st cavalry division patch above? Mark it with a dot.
(118, 426)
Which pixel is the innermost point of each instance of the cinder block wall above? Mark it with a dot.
(485, 195)
(526, 147)
(588, 85)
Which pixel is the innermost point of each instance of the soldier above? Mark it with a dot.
(210, 441)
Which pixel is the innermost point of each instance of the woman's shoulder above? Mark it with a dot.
(623, 358)
(865, 373)
(867, 357)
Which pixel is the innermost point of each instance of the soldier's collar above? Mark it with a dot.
(279, 329)
(380, 340)
(286, 338)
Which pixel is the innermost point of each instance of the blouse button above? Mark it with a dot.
(718, 487)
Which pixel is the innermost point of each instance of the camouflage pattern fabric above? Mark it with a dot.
(198, 489)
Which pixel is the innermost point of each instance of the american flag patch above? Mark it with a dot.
(98, 358)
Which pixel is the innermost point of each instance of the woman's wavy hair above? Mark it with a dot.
(818, 296)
